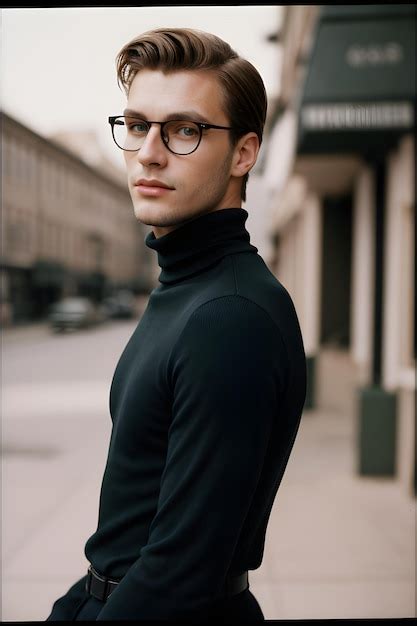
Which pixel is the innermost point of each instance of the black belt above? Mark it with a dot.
(101, 587)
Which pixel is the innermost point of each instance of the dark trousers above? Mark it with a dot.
(77, 605)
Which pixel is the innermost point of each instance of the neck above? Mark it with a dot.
(160, 231)
(196, 245)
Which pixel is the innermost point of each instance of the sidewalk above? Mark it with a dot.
(21, 332)
(337, 545)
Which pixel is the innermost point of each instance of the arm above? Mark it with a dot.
(65, 606)
(225, 373)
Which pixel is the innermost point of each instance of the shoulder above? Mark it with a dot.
(254, 280)
(257, 283)
(231, 312)
(229, 331)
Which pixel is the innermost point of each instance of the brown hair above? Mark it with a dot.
(172, 49)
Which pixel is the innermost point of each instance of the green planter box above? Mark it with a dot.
(310, 401)
(377, 432)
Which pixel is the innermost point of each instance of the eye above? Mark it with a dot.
(182, 130)
(188, 131)
(138, 127)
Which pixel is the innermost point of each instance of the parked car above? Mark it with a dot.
(73, 312)
(120, 305)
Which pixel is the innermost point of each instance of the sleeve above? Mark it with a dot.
(225, 372)
(64, 608)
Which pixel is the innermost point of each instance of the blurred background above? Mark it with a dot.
(331, 205)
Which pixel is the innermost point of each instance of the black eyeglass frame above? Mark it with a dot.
(201, 125)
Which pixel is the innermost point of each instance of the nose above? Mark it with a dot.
(153, 150)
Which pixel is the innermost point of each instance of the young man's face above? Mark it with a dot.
(200, 182)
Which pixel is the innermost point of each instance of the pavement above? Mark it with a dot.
(338, 545)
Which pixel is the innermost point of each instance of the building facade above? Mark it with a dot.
(340, 173)
(68, 228)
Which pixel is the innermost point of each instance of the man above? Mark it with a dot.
(208, 393)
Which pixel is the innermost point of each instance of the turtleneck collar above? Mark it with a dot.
(199, 243)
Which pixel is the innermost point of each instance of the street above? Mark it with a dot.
(337, 545)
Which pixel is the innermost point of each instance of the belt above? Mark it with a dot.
(101, 587)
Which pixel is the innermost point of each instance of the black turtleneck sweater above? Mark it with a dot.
(205, 401)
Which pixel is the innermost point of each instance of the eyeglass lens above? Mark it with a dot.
(181, 137)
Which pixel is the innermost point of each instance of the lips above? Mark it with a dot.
(143, 182)
(151, 188)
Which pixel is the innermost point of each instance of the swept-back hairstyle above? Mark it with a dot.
(170, 49)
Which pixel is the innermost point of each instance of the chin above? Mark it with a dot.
(153, 215)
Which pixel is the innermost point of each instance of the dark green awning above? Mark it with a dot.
(359, 91)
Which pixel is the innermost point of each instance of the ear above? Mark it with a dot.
(245, 154)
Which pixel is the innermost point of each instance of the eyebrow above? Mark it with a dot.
(192, 116)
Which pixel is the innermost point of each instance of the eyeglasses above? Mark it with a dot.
(179, 136)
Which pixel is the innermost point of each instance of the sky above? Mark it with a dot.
(58, 70)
